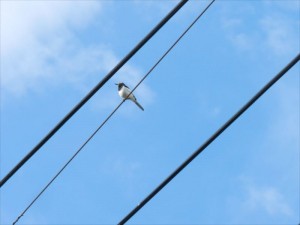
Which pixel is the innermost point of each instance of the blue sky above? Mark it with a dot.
(54, 52)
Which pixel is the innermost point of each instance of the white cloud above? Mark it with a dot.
(274, 30)
(285, 129)
(36, 38)
(40, 48)
(242, 41)
(268, 199)
(272, 189)
(27, 22)
(160, 7)
(288, 5)
(231, 23)
(240, 38)
(280, 36)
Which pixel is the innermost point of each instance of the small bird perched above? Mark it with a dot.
(124, 92)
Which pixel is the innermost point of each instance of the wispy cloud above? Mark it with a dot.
(278, 158)
(40, 48)
(285, 129)
(271, 31)
(161, 7)
(256, 202)
(37, 38)
(280, 36)
(240, 38)
(268, 199)
(288, 5)
(269, 187)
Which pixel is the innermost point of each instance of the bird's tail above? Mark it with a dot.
(138, 104)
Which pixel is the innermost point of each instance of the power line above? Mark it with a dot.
(69, 161)
(210, 140)
(111, 114)
(94, 90)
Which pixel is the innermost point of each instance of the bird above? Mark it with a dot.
(125, 93)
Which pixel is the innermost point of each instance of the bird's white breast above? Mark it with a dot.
(124, 92)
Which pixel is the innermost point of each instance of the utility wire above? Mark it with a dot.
(111, 114)
(94, 90)
(210, 140)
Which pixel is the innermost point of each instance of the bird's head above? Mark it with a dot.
(120, 84)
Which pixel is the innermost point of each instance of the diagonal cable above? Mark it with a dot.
(94, 90)
(210, 140)
(111, 114)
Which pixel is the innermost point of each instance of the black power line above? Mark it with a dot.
(94, 90)
(210, 140)
(111, 114)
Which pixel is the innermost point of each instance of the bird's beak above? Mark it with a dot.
(116, 84)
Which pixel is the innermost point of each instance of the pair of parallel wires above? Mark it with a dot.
(197, 152)
(176, 9)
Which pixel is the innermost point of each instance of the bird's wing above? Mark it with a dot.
(127, 92)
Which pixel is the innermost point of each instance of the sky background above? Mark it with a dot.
(54, 52)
